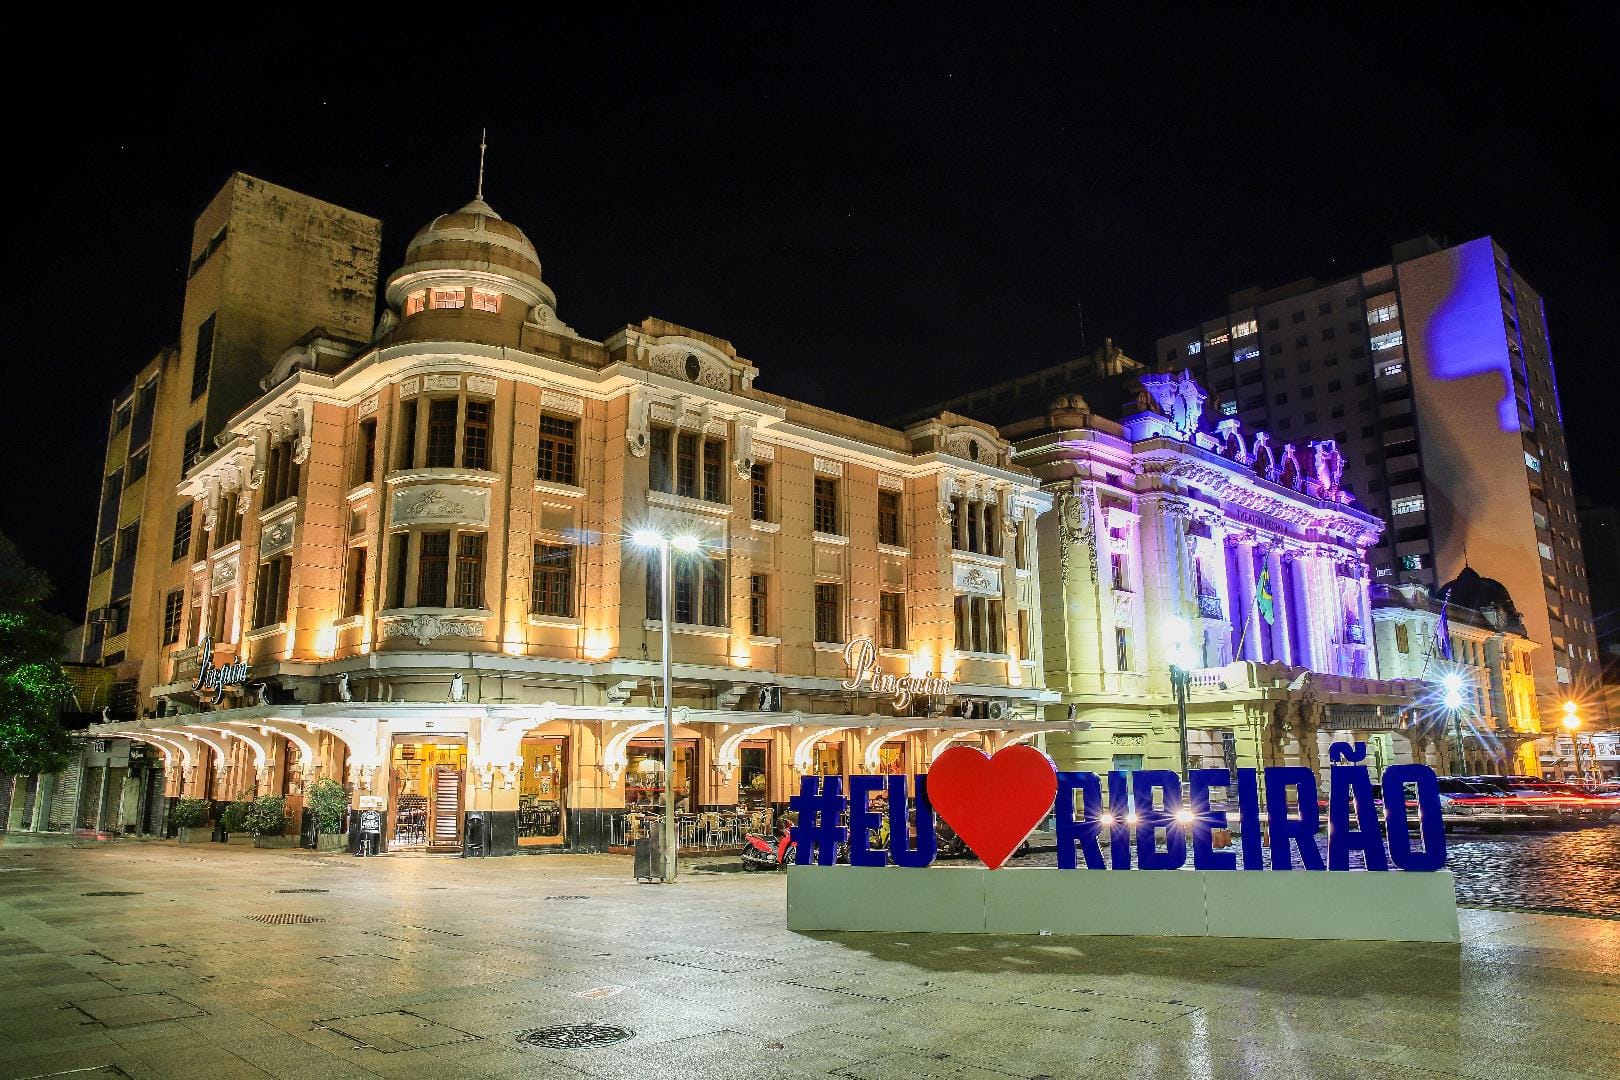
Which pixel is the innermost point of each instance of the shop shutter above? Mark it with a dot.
(65, 800)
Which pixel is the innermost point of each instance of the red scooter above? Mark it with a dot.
(762, 852)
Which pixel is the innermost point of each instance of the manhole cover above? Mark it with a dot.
(284, 918)
(566, 898)
(302, 890)
(576, 1036)
(110, 892)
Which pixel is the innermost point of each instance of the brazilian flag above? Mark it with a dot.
(1263, 600)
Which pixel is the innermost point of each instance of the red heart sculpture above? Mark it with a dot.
(993, 803)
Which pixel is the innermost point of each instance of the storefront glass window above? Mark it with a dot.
(644, 778)
(541, 793)
(753, 788)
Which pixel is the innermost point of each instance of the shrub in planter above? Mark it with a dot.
(267, 816)
(189, 813)
(233, 819)
(330, 804)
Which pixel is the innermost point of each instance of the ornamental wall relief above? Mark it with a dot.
(441, 504)
(277, 536)
(425, 628)
(976, 580)
(681, 362)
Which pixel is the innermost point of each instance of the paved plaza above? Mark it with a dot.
(162, 960)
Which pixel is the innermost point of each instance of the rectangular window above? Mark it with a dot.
(271, 591)
(1249, 353)
(552, 591)
(1119, 572)
(829, 625)
(714, 453)
(686, 455)
(470, 570)
(182, 533)
(889, 518)
(407, 435)
(228, 528)
(449, 298)
(192, 451)
(658, 471)
(281, 475)
(758, 599)
(475, 436)
(137, 467)
(174, 606)
(1383, 313)
(415, 302)
(366, 461)
(1194, 348)
(1409, 504)
(1533, 462)
(486, 301)
(891, 621)
(104, 555)
(399, 562)
(432, 569)
(1244, 329)
(557, 445)
(441, 434)
(1122, 649)
(203, 361)
(354, 577)
(759, 492)
(826, 517)
(1391, 340)
(121, 417)
(699, 591)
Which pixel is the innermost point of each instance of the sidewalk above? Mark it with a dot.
(436, 967)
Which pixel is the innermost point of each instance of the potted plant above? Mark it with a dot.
(330, 804)
(233, 819)
(267, 820)
(190, 817)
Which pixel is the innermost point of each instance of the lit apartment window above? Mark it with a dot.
(552, 592)
(415, 302)
(1393, 368)
(1533, 462)
(1407, 504)
(758, 600)
(182, 532)
(826, 512)
(759, 492)
(1244, 329)
(1194, 348)
(1228, 408)
(1411, 562)
(1384, 313)
(1546, 552)
(829, 620)
(203, 360)
(354, 582)
(1252, 352)
(891, 621)
(1216, 337)
(449, 298)
(271, 591)
(174, 605)
(557, 447)
(1390, 340)
(889, 518)
(486, 301)
(470, 570)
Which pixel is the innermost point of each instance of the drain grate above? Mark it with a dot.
(565, 898)
(302, 890)
(284, 918)
(111, 892)
(576, 1036)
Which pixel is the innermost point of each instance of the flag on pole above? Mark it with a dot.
(1263, 598)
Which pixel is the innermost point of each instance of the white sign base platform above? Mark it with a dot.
(1307, 904)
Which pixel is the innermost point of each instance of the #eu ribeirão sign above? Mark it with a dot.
(994, 803)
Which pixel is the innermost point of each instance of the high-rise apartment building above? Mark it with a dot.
(267, 266)
(1433, 375)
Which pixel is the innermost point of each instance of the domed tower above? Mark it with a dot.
(469, 275)
(1485, 595)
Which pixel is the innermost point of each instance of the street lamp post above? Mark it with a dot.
(666, 587)
(1180, 679)
(1453, 687)
(1572, 724)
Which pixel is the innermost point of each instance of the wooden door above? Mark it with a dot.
(446, 807)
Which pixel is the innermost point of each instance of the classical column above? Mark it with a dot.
(1246, 596)
(1282, 593)
(1303, 582)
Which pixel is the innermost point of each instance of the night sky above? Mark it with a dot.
(878, 210)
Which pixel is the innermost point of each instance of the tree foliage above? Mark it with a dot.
(32, 683)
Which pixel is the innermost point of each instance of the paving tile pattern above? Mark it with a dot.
(430, 967)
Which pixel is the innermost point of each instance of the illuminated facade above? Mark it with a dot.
(417, 548)
(1434, 374)
(1239, 559)
(1473, 619)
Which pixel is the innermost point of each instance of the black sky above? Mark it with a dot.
(878, 207)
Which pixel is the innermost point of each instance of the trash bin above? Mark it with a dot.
(476, 843)
(370, 832)
(649, 856)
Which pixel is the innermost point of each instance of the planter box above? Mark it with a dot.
(332, 842)
(200, 834)
(240, 839)
(275, 841)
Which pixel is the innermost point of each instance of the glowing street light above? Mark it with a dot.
(651, 538)
(1572, 724)
(1451, 683)
(1175, 639)
(1453, 687)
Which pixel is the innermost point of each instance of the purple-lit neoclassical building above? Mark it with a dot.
(1235, 554)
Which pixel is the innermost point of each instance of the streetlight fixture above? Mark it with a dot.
(651, 538)
(1451, 682)
(1175, 635)
(1572, 724)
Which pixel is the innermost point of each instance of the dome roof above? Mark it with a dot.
(1484, 595)
(475, 236)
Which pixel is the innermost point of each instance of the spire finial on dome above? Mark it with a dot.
(483, 144)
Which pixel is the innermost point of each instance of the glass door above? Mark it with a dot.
(425, 784)
(542, 789)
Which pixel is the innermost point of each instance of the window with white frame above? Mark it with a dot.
(1383, 313)
(1244, 329)
(449, 298)
(1407, 504)
(1390, 340)
(486, 301)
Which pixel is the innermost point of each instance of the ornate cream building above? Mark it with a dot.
(412, 570)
